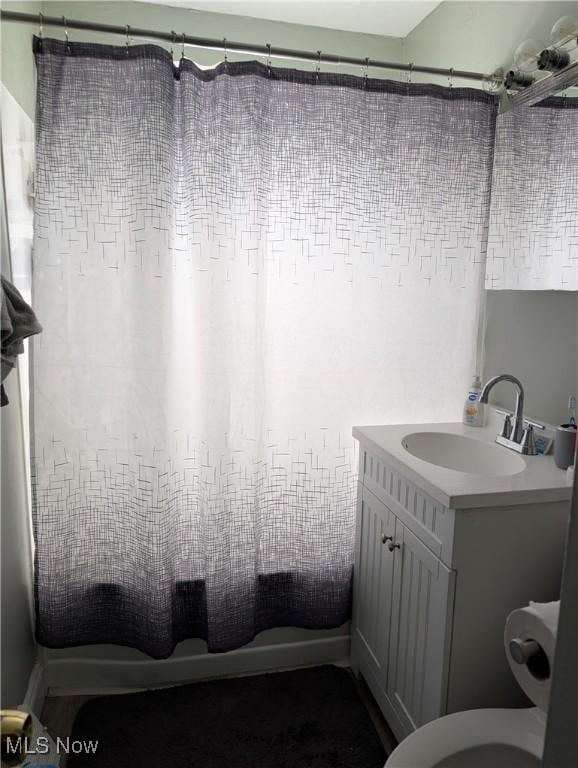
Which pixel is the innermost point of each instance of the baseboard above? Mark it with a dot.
(36, 691)
(65, 677)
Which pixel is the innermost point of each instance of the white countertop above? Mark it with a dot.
(540, 481)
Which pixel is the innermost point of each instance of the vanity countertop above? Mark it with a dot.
(540, 481)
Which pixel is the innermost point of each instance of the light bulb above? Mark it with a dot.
(564, 34)
(526, 56)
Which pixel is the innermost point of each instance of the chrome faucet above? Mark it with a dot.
(513, 436)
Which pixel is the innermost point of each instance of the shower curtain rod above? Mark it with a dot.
(227, 46)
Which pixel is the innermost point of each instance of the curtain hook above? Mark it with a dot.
(318, 67)
(40, 25)
(66, 41)
(450, 77)
(410, 71)
(127, 37)
(269, 59)
(365, 68)
(225, 60)
(183, 48)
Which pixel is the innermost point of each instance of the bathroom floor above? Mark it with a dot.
(60, 712)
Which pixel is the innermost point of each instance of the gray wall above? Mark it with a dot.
(18, 647)
(17, 642)
(534, 335)
(481, 36)
(561, 745)
(17, 64)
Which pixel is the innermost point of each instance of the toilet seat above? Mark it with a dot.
(514, 730)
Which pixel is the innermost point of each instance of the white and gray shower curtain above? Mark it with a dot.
(233, 267)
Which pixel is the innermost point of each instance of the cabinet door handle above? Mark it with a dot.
(385, 538)
(391, 546)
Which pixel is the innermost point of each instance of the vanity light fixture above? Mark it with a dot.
(515, 79)
(522, 87)
(564, 38)
(553, 60)
(551, 85)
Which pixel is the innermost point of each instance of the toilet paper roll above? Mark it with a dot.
(537, 622)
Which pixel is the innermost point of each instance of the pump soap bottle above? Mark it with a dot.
(473, 409)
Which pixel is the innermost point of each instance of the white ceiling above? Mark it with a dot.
(377, 17)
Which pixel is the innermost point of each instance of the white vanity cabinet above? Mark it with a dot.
(433, 585)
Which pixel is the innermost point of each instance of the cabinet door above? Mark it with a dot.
(373, 578)
(422, 607)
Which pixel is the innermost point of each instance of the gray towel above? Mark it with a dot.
(18, 322)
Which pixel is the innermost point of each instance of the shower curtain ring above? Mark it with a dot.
(225, 60)
(66, 41)
(269, 59)
(450, 77)
(183, 47)
(410, 71)
(173, 38)
(365, 68)
(318, 67)
(127, 37)
(40, 25)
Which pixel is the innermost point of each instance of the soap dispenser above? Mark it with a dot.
(473, 409)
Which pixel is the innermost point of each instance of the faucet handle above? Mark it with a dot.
(534, 424)
(528, 444)
(506, 430)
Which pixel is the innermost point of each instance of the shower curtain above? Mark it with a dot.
(233, 267)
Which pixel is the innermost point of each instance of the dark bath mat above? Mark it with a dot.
(309, 718)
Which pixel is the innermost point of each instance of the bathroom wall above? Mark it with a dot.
(17, 64)
(481, 36)
(17, 643)
(219, 26)
(18, 647)
(561, 745)
(534, 335)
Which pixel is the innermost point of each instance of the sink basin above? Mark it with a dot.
(463, 454)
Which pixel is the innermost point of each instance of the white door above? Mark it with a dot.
(422, 605)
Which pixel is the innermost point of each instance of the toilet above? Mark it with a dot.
(493, 738)
(477, 738)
